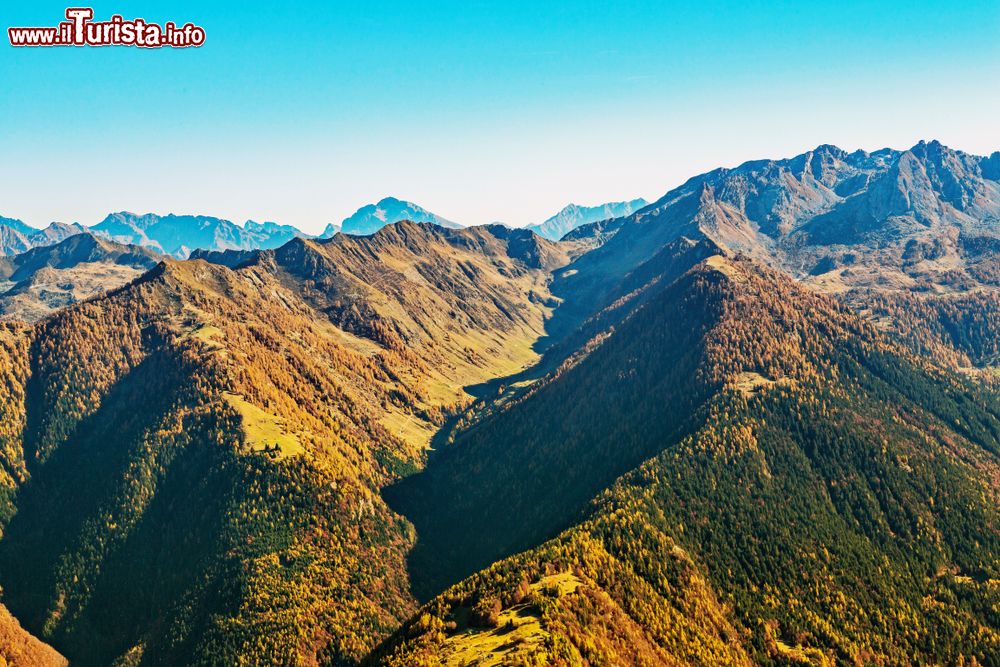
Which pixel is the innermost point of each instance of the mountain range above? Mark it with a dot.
(178, 235)
(754, 422)
(573, 216)
(827, 214)
(17, 237)
(46, 278)
(181, 235)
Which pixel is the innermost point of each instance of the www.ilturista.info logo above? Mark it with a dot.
(81, 30)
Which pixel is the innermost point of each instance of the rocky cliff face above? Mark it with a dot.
(905, 219)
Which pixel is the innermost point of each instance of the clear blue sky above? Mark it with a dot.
(301, 112)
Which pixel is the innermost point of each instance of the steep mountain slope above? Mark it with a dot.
(793, 489)
(372, 217)
(832, 218)
(12, 241)
(860, 225)
(959, 330)
(43, 279)
(197, 495)
(573, 216)
(17, 225)
(230, 258)
(195, 458)
(17, 237)
(473, 298)
(330, 230)
(54, 233)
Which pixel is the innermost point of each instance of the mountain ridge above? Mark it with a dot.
(572, 216)
(39, 281)
(229, 430)
(678, 548)
(889, 224)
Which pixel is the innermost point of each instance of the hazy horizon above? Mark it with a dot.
(477, 113)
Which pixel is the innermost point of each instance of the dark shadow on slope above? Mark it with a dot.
(566, 319)
(524, 473)
(146, 583)
(595, 301)
(60, 529)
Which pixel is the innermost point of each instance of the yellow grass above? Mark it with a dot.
(262, 430)
(749, 383)
(518, 634)
(207, 333)
(409, 429)
(723, 266)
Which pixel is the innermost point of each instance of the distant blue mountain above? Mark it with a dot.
(268, 235)
(573, 216)
(17, 237)
(331, 230)
(373, 217)
(17, 225)
(179, 235)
